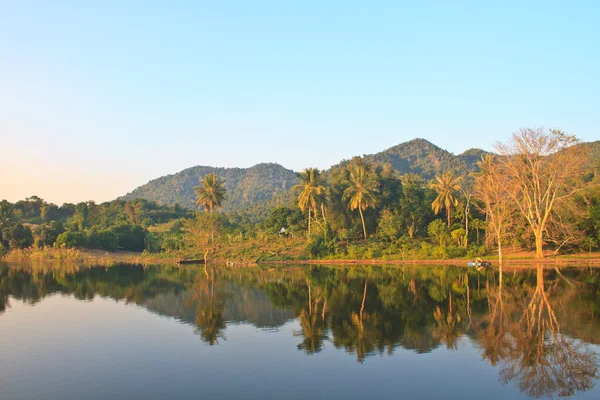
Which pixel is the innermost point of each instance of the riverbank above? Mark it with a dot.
(103, 258)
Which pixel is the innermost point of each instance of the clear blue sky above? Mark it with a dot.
(97, 97)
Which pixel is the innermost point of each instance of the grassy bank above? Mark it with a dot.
(288, 251)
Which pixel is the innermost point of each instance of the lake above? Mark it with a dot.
(298, 332)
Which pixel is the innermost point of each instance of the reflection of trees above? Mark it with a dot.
(361, 333)
(448, 325)
(209, 312)
(364, 310)
(312, 324)
(535, 355)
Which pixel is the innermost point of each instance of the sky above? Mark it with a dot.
(98, 97)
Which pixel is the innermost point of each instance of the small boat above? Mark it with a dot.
(201, 261)
(479, 263)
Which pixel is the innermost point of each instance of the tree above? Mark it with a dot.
(211, 193)
(312, 192)
(446, 187)
(543, 168)
(491, 188)
(5, 213)
(361, 193)
(413, 211)
(81, 216)
(17, 236)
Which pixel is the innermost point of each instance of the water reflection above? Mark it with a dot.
(535, 326)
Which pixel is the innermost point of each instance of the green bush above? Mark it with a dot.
(130, 237)
(17, 236)
(71, 239)
(102, 239)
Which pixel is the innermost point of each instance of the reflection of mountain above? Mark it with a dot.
(241, 305)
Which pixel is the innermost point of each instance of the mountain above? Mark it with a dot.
(246, 187)
(257, 189)
(426, 159)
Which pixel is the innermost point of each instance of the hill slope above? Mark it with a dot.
(245, 186)
(426, 159)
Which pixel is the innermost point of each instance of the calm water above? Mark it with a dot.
(133, 332)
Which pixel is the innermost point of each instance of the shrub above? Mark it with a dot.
(17, 236)
(71, 239)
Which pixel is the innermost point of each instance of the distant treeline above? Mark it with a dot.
(110, 226)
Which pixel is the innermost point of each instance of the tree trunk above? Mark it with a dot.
(467, 210)
(449, 212)
(308, 223)
(539, 245)
(362, 305)
(363, 222)
(323, 212)
(499, 252)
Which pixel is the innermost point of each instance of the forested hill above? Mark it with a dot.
(249, 187)
(245, 186)
(422, 157)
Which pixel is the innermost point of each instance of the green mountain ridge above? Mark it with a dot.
(269, 183)
(245, 186)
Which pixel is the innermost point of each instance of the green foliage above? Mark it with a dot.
(389, 226)
(104, 239)
(211, 193)
(437, 229)
(130, 237)
(71, 239)
(17, 236)
(46, 234)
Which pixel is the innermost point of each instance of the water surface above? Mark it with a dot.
(343, 332)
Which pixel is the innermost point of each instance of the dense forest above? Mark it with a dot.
(539, 192)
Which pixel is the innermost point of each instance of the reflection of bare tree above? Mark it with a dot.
(541, 360)
(493, 332)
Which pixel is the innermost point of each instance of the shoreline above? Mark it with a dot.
(103, 257)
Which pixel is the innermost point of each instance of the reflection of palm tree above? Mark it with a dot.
(362, 333)
(211, 322)
(312, 326)
(209, 312)
(313, 332)
(448, 329)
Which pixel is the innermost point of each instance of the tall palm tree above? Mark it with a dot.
(311, 191)
(362, 192)
(446, 187)
(211, 193)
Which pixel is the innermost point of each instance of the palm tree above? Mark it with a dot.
(211, 193)
(362, 192)
(311, 191)
(446, 187)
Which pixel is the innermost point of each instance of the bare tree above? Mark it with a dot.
(542, 168)
(491, 190)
